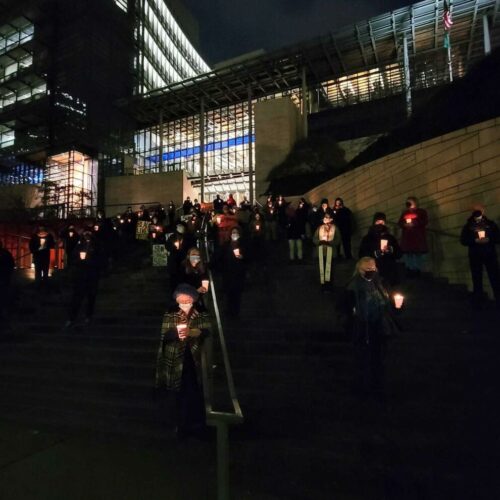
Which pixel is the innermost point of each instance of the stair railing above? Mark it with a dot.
(219, 419)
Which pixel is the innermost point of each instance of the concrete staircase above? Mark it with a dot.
(306, 435)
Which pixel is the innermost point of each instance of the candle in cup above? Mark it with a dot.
(481, 235)
(383, 244)
(218, 220)
(257, 227)
(177, 245)
(42, 242)
(96, 228)
(181, 329)
(236, 252)
(83, 255)
(398, 300)
(153, 235)
(408, 221)
(205, 284)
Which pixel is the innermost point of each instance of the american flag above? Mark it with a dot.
(447, 21)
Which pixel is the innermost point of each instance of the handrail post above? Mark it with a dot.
(222, 461)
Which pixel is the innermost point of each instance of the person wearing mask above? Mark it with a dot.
(323, 209)
(187, 206)
(156, 234)
(326, 238)
(177, 246)
(413, 221)
(367, 305)
(342, 217)
(193, 272)
(41, 243)
(86, 272)
(184, 330)
(234, 255)
(380, 244)
(7, 265)
(480, 235)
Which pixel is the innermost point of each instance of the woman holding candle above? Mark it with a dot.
(193, 273)
(183, 332)
(413, 221)
(367, 305)
(383, 246)
(326, 238)
(480, 235)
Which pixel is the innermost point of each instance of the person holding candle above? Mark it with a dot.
(326, 238)
(193, 272)
(89, 262)
(234, 262)
(480, 235)
(41, 243)
(383, 246)
(271, 221)
(367, 305)
(296, 231)
(187, 206)
(413, 221)
(70, 238)
(178, 365)
(177, 247)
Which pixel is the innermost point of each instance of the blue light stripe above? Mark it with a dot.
(213, 146)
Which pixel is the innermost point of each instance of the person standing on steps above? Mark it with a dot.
(41, 243)
(7, 265)
(178, 365)
(383, 246)
(234, 259)
(480, 235)
(342, 218)
(367, 306)
(88, 264)
(413, 221)
(326, 238)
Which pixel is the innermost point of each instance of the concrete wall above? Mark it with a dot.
(137, 189)
(448, 174)
(277, 127)
(19, 195)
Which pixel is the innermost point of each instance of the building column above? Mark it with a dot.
(250, 145)
(486, 33)
(304, 103)
(202, 149)
(161, 140)
(407, 76)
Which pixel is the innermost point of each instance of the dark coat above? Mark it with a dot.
(7, 265)
(342, 218)
(470, 234)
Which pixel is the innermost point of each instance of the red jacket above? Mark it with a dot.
(413, 238)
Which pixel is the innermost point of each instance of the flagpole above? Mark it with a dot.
(450, 66)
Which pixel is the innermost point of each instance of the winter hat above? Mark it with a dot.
(379, 216)
(324, 200)
(185, 289)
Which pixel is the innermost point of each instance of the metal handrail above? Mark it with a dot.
(219, 420)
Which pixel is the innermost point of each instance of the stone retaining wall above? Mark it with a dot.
(448, 174)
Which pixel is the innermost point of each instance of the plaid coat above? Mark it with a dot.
(170, 359)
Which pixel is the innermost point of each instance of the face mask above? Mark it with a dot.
(185, 307)
(235, 237)
(369, 275)
(180, 229)
(194, 259)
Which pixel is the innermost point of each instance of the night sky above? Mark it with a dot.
(229, 28)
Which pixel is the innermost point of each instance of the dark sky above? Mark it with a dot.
(229, 28)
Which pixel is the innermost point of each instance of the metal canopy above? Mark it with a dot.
(365, 45)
